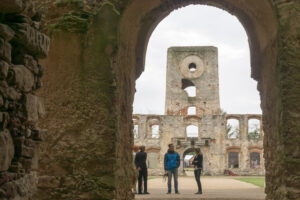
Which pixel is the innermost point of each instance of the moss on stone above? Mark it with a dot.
(74, 22)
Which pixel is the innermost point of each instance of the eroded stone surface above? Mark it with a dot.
(34, 108)
(6, 150)
(23, 78)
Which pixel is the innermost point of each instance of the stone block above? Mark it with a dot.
(34, 41)
(26, 163)
(37, 135)
(7, 150)
(31, 64)
(23, 78)
(27, 152)
(5, 50)
(1, 101)
(3, 69)
(9, 190)
(10, 93)
(6, 32)
(11, 6)
(16, 167)
(36, 156)
(34, 108)
(4, 119)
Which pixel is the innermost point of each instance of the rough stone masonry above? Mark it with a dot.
(21, 45)
(97, 51)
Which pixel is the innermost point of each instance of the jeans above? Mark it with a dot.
(197, 173)
(143, 174)
(175, 173)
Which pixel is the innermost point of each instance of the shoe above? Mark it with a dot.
(177, 192)
(146, 193)
(168, 192)
(198, 193)
(140, 193)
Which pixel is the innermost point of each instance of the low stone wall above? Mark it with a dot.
(21, 44)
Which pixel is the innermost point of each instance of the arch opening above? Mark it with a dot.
(192, 131)
(252, 45)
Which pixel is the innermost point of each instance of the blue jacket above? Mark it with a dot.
(172, 160)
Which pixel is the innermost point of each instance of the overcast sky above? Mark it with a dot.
(200, 26)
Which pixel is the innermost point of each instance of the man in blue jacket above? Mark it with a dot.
(172, 162)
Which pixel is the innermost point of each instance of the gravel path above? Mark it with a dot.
(213, 188)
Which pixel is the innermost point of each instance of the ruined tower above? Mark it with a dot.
(192, 85)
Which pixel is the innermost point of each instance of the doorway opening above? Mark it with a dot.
(229, 94)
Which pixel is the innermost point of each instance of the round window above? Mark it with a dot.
(191, 66)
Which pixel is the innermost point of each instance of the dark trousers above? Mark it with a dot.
(197, 177)
(175, 173)
(143, 174)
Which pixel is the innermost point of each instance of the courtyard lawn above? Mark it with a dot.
(258, 181)
(189, 169)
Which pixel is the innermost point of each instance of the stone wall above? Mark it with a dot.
(21, 45)
(212, 139)
(280, 94)
(84, 155)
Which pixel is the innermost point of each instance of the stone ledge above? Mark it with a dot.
(34, 41)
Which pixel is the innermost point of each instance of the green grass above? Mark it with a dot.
(258, 181)
(189, 169)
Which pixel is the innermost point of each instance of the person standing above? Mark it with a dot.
(140, 163)
(171, 164)
(198, 163)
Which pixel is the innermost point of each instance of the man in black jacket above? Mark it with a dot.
(140, 163)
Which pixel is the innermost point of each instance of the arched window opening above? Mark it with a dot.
(192, 131)
(254, 160)
(191, 110)
(192, 67)
(232, 128)
(155, 131)
(191, 91)
(152, 160)
(253, 129)
(233, 160)
(135, 131)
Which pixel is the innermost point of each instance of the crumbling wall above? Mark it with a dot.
(84, 156)
(280, 94)
(21, 45)
(117, 44)
(212, 139)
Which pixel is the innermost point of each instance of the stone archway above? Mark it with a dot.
(260, 23)
(183, 154)
(89, 82)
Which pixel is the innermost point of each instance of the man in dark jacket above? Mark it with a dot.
(140, 163)
(171, 163)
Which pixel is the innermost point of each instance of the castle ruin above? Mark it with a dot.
(193, 118)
